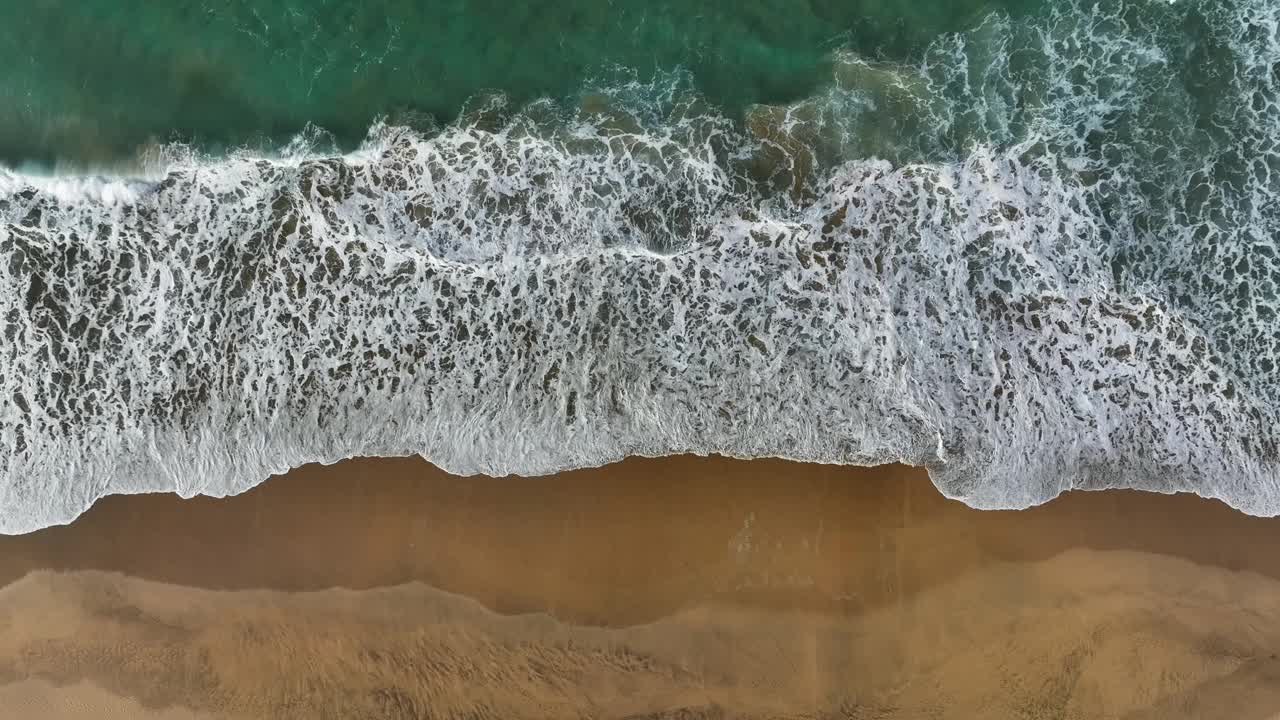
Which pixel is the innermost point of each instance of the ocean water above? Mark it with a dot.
(88, 81)
(1031, 247)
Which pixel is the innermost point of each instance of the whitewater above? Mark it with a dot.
(1036, 259)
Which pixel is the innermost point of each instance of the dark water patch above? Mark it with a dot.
(87, 82)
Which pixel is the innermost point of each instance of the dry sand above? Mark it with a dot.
(673, 588)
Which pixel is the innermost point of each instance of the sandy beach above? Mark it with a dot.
(679, 587)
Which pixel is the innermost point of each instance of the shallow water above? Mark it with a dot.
(678, 587)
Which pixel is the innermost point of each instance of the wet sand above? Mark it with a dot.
(680, 587)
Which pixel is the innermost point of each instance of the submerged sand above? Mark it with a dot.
(672, 588)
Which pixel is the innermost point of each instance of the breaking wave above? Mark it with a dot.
(1043, 256)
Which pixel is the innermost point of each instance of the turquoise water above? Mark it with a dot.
(91, 80)
(1031, 248)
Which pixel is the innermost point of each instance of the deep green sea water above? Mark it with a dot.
(90, 80)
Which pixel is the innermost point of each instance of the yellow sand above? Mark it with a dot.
(685, 587)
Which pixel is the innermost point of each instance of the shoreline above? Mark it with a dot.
(376, 522)
(652, 588)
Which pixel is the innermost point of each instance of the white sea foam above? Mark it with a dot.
(1060, 272)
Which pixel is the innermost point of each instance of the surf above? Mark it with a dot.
(1018, 260)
